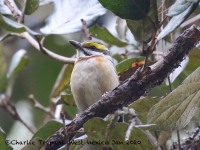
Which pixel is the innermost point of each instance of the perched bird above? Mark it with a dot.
(93, 75)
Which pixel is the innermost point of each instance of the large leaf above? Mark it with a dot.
(62, 81)
(177, 20)
(129, 9)
(178, 7)
(103, 34)
(35, 143)
(3, 142)
(18, 62)
(177, 109)
(42, 134)
(31, 6)
(144, 29)
(142, 107)
(97, 128)
(15, 27)
(68, 14)
(3, 67)
(11, 25)
(48, 129)
(194, 62)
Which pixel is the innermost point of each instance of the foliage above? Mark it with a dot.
(137, 32)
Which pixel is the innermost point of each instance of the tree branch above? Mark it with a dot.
(19, 18)
(9, 107)
(45, 51)
(14, 12)
(133, 88)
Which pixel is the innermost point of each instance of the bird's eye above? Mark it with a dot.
(93, 47)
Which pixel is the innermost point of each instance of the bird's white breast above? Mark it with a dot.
(90, 79)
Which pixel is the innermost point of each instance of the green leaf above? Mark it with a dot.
(3, 68)
(118, 57)
(3, 140)
(126, 64)
(137, 141)
(66, 99)
(194, 62)
(63, 80)
(37, 144)
(48, 129)
(193, 78)
(177, 109)
(103, 34)
(141, 29)
(31, 6)
(96, 129)
(142, 107)
(178, 7)
(18, 62)
(15, 27)
(129, 9)
(177, 20)
(4, 37)
(144, 29)
(11, 25)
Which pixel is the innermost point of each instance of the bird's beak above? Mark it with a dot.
(76, 44)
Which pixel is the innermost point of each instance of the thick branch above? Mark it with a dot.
(134, 87)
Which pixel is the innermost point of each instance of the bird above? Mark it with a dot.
(93, 75)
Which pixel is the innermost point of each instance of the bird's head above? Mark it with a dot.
(90, 48)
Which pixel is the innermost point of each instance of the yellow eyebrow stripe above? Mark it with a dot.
(95, 44)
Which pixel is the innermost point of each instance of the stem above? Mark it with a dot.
(170, 85)
(9, 107)
(21, 18)
(39, 106)
(45, 51)
(179, 142)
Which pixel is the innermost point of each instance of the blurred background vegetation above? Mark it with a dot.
(39, 75)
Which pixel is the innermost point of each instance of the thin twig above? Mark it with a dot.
(191, 21)
(85, 29)
(9, 107)
(179, 141)
(15, 14)
(196, 132)
(133, 122)
(39, 106)
(62, 115)
(170, 85)
(41, 46)
(49, 53)
(21, 18)
(139, 52)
